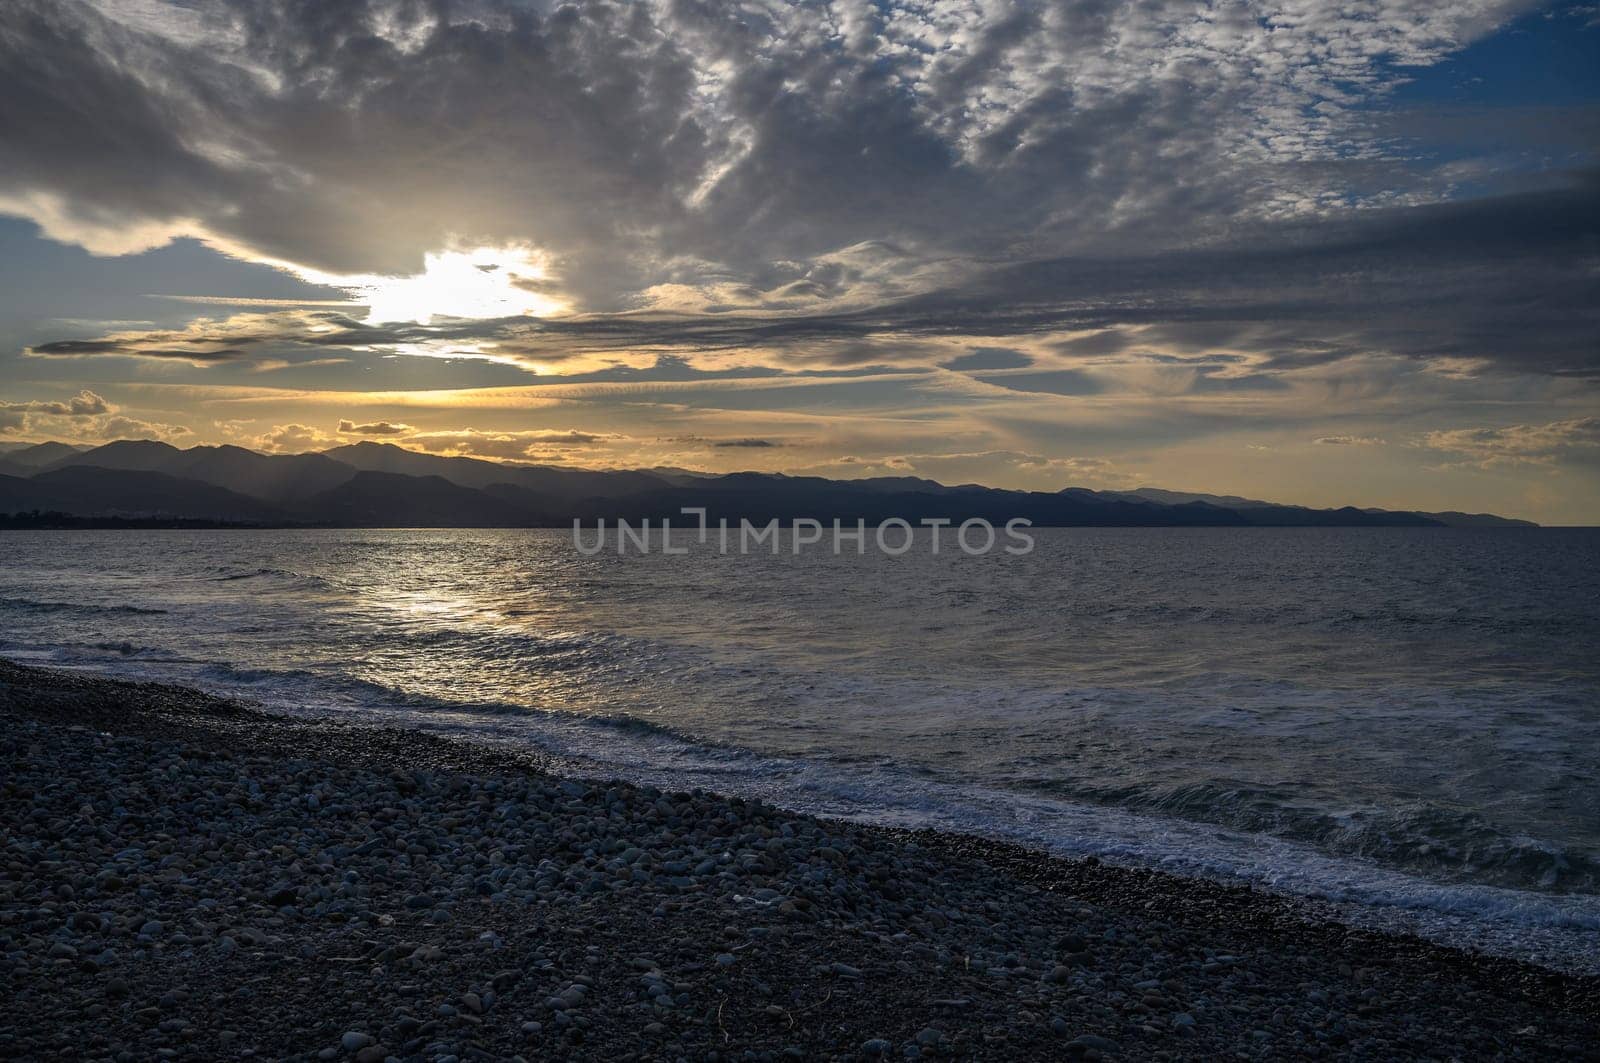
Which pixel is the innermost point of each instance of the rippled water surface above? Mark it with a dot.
(1408, 719)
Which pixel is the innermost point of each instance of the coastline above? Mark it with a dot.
(498, 910)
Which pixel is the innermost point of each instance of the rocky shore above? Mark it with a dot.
(184, 877)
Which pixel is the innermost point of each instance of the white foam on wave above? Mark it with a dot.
(1560, 931)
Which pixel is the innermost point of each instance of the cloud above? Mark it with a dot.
(1498, 282)
(1556, 442)
(1007, 230)
(374, 428)
(1504, 280)
(133, 428)
(1027, 470)
(293, 439)
(84, 404)
(207, 341)
(542, 444)
(771, 158)
(1349, 441)
(140, 345)
(84, 414)
(739, 443)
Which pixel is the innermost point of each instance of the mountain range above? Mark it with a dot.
(383, 485)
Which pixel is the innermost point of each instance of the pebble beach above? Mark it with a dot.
(186, 877)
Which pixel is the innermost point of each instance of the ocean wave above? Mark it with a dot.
(1563, 929)
(1556, 928)
(1449, 843)
(300, 689)
(123, 649)
(1412, 731)
(34, 605)
(1451, 849)
(302, 683)
(301, 579)
(515, 645)
(1475, 620)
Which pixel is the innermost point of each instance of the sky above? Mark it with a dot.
(1314, 253)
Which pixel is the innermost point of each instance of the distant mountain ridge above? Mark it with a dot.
(1450, 518)
(370, 484)
(24, 459)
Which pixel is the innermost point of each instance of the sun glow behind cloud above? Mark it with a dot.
(485, 282)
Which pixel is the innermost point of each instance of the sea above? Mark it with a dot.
(1400, 727)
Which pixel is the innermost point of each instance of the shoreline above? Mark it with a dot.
(1052, 957)
(1559, 934)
